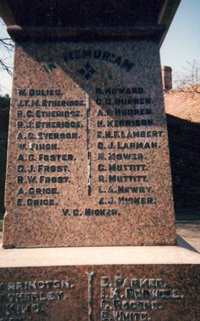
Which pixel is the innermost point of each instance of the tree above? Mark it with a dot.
(7, 46)
(6, 52)
(4, 112)
(189, 79)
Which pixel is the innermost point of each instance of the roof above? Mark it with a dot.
(184, 103)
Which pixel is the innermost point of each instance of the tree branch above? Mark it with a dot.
(5, 67)
(7, 43)
(189, 81)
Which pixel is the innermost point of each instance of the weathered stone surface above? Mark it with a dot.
(88, 165)
(136, 286)
(88, 156)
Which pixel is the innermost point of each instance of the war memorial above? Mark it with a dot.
(89, 228)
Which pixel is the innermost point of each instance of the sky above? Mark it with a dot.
(5, 78)
(181, 44)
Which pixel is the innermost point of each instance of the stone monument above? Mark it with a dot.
(88, 161)
(88, 173)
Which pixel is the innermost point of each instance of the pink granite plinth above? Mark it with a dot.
(100, 284)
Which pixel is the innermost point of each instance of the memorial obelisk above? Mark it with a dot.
(88, 159)
(89, 229)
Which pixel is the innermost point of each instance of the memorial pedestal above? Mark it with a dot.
(100, 283)
(88, 165)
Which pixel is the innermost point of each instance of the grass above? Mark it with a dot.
(1, 224)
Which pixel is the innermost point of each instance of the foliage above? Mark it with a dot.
(4, 101)
(4, 112)
(4, 116)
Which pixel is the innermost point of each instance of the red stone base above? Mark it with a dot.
(100, 284)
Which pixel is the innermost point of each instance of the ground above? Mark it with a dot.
(190, 232)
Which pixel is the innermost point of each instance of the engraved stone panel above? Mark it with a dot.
(88, 159)
(94, 293)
